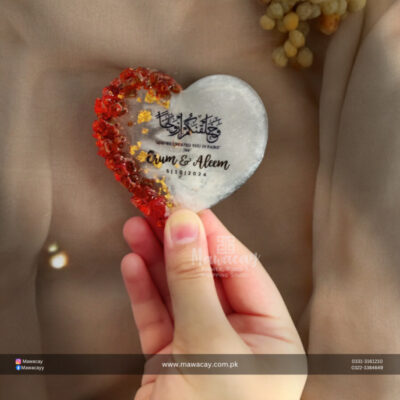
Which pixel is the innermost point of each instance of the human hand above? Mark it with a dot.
(181, 308)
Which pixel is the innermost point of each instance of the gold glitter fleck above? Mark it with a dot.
(163, 190)
(142, 156)
(164, 103)
(150, 97)
(145, 131)
(144, 116)
(134, 148)
(139, 99)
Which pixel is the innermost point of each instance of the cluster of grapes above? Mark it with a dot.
(293, 18)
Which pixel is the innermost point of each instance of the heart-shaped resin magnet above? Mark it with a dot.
(171, 147)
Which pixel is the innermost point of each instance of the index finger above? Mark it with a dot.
(247, 285)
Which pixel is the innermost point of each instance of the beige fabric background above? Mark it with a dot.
(341, 281)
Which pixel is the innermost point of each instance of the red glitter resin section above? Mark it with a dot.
(114, 146)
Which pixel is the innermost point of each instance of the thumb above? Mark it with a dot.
(195, 302)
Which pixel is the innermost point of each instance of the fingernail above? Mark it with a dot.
(182, 227)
